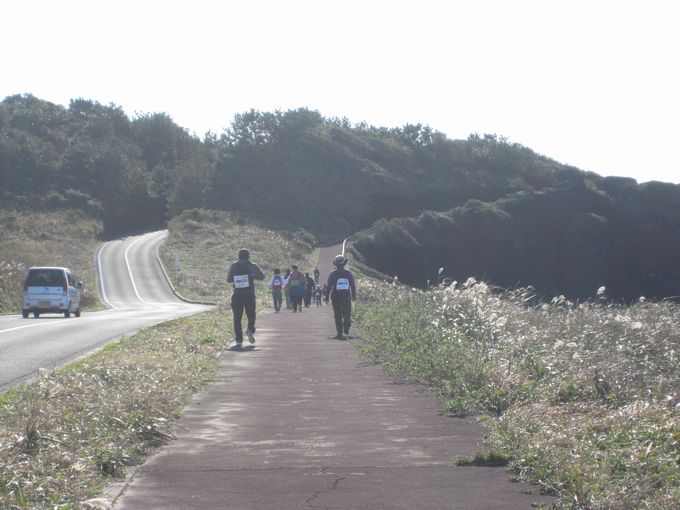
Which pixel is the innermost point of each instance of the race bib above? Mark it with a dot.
(241, 281)
(343, 284)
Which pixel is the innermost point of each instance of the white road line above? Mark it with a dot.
(33, 325)
(101, 276)
(127, 263)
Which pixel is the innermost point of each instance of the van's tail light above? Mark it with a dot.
(65, 285)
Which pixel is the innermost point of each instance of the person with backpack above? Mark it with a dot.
(242, 274)
(341, 290)
(296, 283)
(276, 285)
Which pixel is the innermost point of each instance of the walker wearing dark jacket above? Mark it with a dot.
(342, 291)
(242, 274)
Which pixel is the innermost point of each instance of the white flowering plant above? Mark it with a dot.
(582, 398)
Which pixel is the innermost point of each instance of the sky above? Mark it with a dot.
(594, 84)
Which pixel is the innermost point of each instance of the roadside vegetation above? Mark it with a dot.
(582, 399)
(60, 238)
(479, 206)
(207, 242)
(297, 167)
(64, 437)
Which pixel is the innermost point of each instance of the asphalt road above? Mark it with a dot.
(133, 286)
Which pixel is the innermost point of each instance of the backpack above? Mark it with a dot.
(277, 284)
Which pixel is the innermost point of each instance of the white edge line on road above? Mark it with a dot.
(101, 275)
(127, 263)
(30, 326)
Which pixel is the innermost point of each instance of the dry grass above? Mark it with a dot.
(63, 238)
(65, 436)
(207, 242)
(582, 398)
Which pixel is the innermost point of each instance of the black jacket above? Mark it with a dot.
(239, 270)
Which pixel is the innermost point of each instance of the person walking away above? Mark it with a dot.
(309, 291)
(318, 294)
(286, 291)
(296, 287)
(341, 290)
(242, 274)
(317, 274)
(276, 285)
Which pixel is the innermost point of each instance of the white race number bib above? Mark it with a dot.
(343, 284)
(241, 281)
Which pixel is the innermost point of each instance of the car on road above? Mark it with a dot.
(50, 290)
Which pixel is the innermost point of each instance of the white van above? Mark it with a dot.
(50, 290)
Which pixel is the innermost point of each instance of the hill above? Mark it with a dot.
(497, 210)
(611, 232)
(279, 167)
(92, 158)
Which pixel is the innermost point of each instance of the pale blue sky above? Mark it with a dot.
(590, 83)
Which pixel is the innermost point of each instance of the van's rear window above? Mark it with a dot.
(45, 278)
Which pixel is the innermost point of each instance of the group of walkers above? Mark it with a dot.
(293, 286)
(296, 288)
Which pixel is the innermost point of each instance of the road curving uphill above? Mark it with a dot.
(132, 284)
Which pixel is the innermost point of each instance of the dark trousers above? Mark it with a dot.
(297, 303)
(342, 310)
(240, 302)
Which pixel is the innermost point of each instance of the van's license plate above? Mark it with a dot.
(44, 304)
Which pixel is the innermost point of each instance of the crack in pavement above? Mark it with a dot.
(309, 502)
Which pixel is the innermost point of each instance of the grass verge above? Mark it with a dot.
(60, 238)
(64, 437)
(207, 242)
(580, 398)
(484, 458)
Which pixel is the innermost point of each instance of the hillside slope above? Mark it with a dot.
(528, 218)
(290, 169)
(568, 241)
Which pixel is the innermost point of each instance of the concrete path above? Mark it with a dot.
(304, 422)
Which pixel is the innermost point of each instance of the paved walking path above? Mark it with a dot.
(304, 422)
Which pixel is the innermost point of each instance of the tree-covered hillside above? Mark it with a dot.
(293, 168)
(90, 157)
(571, 241)
(530, 220)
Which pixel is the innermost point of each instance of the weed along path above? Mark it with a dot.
(303, 422)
